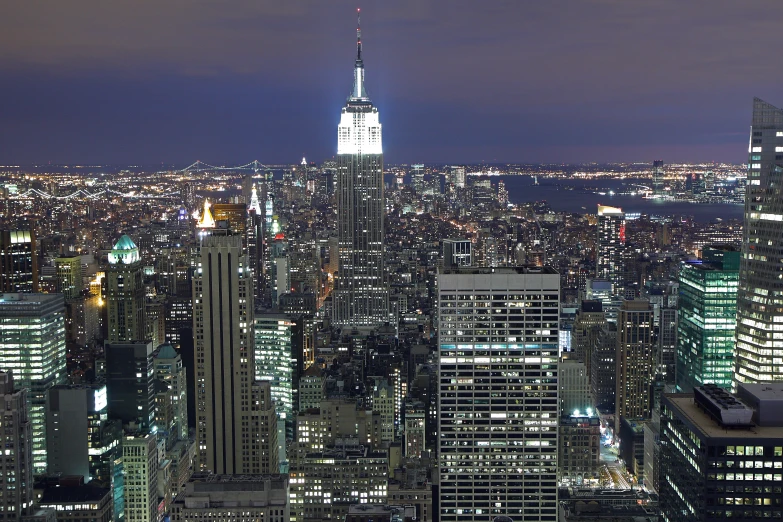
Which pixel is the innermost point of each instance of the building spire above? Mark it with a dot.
(358, 70)
(358, 36)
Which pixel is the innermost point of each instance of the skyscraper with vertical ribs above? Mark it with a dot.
(235, 417)
(759, 351)
(361, 296)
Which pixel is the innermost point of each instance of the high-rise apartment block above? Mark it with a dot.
(707, 319)
(18, 261)
(233, 430)
(759, 351)
(125, 293)
(16, 461)
(498, 392)
(610, 244)
(635, 361)
(32, 348)
(361, 295)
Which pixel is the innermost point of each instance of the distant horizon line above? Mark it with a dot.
(184, 166)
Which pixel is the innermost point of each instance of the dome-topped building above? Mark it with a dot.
(125, 251)
(125, 293)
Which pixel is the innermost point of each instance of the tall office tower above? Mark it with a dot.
(588, 323)
(125, 293)
(256, 242)
(16, 462)
(574, 383)
(417, 178)
(18, 261)
(236, 216)
(140, 461)
(228, 402)
(69, 276)
(457, 252)
(498, 342)
(657, 178)
(721, 454)
(666, 344)
(32, 347)
(168, 367)
(457, 176)
(275, 362)
(80, 439)
(603, 379)
(502, 193)
(415, 429)
(635, 362)
(708, 319)
(759, 352)
(130, 382)
(609, 245)
(361, 297)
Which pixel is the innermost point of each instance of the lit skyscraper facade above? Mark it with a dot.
(759, 352)
(498, 392)
(657, 178)
(125, 293)
(635, 362)
(18, 261)
(708, 318)
(609, 245)
(361, 297)
(235, 418)
(275, 362)
(32, 348)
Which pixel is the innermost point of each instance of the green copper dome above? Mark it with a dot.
(125, 251)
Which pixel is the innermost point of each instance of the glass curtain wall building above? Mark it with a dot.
(708, 318)
(759, 355)
(32, 348)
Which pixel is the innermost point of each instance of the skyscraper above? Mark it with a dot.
(635, 361)
(498, 411)
(170, 370)
(708, 319)
(125, 293)
(231, 409)
(32, 347)
(18, 261)
(657, 177)
(130, 381)
(759, 352)
(80, 438)
(16, 461)
(609, 245)
(69, 276)
(361, 297)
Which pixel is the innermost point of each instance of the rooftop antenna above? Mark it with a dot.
(358, 34)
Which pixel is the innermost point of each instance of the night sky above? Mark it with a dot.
(455, 81)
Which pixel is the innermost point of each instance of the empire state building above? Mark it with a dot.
(361, 298)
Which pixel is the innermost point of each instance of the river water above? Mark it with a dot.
(556, 193)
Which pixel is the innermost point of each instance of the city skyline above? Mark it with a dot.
(102, 94)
